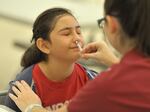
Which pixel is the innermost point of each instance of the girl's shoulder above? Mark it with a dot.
(90, 73)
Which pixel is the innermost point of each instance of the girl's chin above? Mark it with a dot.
(76, 58)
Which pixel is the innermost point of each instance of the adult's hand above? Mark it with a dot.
(24, 96)
(101, 52)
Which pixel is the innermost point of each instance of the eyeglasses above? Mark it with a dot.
(101, 22)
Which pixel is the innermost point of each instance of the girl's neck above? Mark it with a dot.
(56, 71)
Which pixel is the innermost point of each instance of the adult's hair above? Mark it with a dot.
(134, 17)
(42, 28)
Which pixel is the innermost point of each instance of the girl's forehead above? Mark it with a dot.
(66, 21)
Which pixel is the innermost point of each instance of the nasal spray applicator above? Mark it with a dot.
(79, 46)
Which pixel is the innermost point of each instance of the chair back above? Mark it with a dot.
(3, 94)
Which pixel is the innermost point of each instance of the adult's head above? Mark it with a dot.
(53, 31)
(133, 18)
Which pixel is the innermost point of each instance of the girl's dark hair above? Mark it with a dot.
(42, 27)
(134, 17)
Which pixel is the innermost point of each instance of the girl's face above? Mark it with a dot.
(63, 38)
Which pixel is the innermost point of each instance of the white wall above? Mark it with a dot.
(29, 9)
(10, 55)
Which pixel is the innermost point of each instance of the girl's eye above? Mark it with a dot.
(79, 32)
(67, 34)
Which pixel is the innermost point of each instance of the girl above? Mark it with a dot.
(50, 66)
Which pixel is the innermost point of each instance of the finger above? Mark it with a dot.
(25, 84)
(88, 55)
(16, 100)
(16, 91)
(20, 86)
(13, 97)
(90, 48)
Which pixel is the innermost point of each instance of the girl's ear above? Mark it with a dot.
(112, 24)
(43, 45)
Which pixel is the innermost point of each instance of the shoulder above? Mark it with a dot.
(25, 73)
(127, 77)
(90, 73)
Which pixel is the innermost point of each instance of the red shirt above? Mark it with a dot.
(125, 87)
(54, 94)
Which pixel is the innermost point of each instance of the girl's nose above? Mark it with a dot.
(76, 37)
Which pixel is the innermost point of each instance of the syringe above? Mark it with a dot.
(79, 46)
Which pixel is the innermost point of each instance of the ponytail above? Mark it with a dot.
(32, 56)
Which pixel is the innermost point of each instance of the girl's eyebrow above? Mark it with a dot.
(68, 28)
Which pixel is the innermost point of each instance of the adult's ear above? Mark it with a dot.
(112, 24)
(43, 45)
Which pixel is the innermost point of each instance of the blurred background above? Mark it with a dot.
(16, 19)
